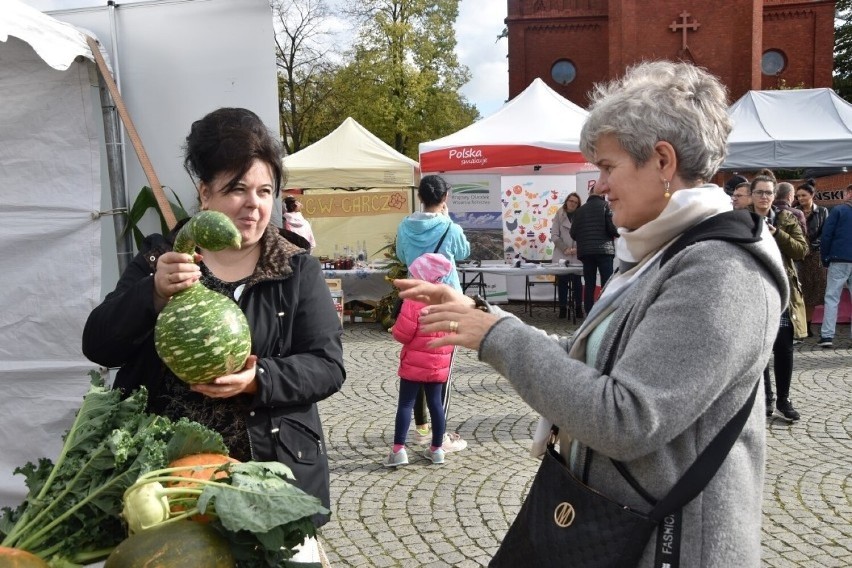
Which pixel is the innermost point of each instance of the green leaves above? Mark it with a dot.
(145, 201)
(258, 498)
(73, 505)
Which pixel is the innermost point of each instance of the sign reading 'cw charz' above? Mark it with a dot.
(354, 204)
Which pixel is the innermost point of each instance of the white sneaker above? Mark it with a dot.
(453, 442)
(437, 457)
(424, 436)
(396, 459)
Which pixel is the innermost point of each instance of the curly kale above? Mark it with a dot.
(71, 513)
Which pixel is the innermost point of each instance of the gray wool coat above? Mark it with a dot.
(697, 334)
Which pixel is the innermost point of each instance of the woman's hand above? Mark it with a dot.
(449, 311)
(175, 272)
(429, 293)
(464, 324)
(231, 385)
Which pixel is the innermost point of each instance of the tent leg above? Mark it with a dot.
(118, 195)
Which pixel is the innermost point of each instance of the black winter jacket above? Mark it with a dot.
(296, 335)
(593, 229)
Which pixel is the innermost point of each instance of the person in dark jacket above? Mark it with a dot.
(267, 411)
(811, 271)
(836, 253)
(594, 232)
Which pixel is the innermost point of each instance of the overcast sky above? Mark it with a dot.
(477, 28)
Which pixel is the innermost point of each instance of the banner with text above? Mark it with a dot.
(355, 203)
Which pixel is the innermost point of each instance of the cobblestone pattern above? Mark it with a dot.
(455, 514)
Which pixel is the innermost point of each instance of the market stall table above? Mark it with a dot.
(362, 284)
(528, 271)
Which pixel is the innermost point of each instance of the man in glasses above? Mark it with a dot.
(741, 198)
(793, 245)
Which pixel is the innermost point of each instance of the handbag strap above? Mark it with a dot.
(701, 471)
(438, 246)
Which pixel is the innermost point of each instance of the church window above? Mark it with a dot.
(563, 72)
(773, 62)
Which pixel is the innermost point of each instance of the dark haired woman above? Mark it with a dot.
(294, 220)
(266, 411)
(811, 270)
(432, 230)
(565, 248)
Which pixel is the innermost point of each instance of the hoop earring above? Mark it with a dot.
(667, 194)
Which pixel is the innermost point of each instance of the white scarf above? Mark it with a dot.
(686, 207)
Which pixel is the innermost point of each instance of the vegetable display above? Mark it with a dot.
(252, 504)
(71, 512)
(181, 545)
(201, 334)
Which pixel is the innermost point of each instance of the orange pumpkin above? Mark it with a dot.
(205, 466)
(15, 558)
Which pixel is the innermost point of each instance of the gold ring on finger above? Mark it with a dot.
(454, 326)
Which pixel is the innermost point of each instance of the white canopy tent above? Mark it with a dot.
(378, 183)
(799, 128)
(50, 258)
(350, 157)
(539, 127)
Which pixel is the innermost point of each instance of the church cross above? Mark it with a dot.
(684, 25)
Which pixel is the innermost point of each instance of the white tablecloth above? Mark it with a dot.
(362, 284)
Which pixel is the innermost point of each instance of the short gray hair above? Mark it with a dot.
(655, 101)
(783, 190)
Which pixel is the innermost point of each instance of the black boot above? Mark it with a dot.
(785, 407)
(770, 402)
(563, 312)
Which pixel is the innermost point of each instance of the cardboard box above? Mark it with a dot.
(335, 286)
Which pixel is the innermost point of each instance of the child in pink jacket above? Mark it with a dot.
(420, 365)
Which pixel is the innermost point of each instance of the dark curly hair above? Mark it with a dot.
(228, 140)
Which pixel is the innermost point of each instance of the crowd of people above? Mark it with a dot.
(640, 383)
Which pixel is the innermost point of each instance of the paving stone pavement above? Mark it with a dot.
(456, 514)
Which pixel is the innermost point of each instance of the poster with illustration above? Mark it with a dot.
(474, 203)
(529, 205)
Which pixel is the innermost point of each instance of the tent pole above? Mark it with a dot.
(114, 151)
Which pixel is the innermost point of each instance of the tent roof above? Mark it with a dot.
(350, 156)
(57, 43)
(801, 128)
(539, 126)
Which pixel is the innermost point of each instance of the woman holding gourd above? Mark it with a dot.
(266, 410)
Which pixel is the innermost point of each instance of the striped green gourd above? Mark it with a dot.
(201, 334)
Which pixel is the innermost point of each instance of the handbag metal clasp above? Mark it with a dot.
(564, 514)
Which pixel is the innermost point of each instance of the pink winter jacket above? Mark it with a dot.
(416, 361)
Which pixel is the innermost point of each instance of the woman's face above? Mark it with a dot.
(762, 197)
(248, 204)
(636, 195)
(805, 199)
(572, 203)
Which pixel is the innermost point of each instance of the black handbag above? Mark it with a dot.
(565, 523)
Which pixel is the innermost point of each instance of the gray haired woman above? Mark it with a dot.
(654, 372)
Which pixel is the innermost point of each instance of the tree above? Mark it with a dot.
(843, 49)
(402, 78)
(305, 70)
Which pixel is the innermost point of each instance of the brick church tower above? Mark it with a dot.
(748, 44)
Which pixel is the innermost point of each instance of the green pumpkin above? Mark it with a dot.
(201, 334)
(181, 544)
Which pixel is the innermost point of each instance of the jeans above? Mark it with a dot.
(592, 264)
(839, 275)
(420, 417)
(407, 395)
(562, 281)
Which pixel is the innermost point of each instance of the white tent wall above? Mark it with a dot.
(50, 269)
(179, 60)
(176, 62)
